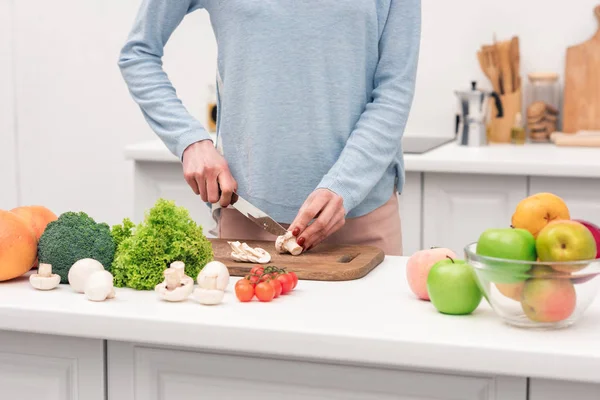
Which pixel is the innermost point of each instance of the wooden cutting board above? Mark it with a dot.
(581, 109)
(323, 263)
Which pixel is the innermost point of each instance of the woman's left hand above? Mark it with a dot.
(327, 210)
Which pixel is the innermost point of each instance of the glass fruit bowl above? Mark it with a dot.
(546, 295)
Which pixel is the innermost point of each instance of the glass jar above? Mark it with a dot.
(211, 109)
(542, 106)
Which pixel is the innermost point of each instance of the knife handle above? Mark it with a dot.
(234, 195)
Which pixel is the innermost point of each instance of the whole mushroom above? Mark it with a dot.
(81, 271)
(44, 279)
(212, 283)
(174, 288)
(99, 286)
(287, 244)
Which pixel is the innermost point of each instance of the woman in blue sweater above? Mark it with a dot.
(313, 99)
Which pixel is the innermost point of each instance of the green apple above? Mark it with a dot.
(508, 244)
(452, 287)
(566, 240)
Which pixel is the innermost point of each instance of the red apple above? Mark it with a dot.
(418, 266)
(595, 229)
(548, 300)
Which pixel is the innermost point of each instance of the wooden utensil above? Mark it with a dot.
(503, 49)
(323, 263)
(581, 99)
(490, 66)
(571, 140)
(515, 62)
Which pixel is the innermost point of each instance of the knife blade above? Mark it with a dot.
(257, 216)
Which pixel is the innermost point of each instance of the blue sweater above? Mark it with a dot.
(311, 94)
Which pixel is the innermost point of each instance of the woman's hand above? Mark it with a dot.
(206, 171)
(327, 210)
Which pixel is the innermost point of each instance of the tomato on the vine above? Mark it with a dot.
(266, 277)
(244, 290)
(264, 292)
(286, 282)
(254, 279)
(277, 286)
(257, 270)
(294, 279)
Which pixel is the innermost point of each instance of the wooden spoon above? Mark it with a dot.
(491, 64)
(515, 62)
(503, 49)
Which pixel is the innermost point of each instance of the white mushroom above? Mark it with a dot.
(244, 253)
(81, 271)
(212, 282)
(174, 288)
(214, 275)
(44, 279)
(209, 297)
(99, 286)
(287, 244)
(179, 266)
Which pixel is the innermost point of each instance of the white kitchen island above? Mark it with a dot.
(363, 339)
(451, 193)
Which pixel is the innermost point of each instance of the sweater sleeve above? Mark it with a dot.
(377, 135)
(140, 62)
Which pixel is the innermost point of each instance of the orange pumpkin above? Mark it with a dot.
(18, 246)
(37, 217)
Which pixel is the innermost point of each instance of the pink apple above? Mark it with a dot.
(548, 300)
(418, 266)
(595, 229)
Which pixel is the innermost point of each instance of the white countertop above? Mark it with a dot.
(530, 159)
(371, 321)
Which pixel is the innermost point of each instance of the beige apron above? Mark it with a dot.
(380, 228)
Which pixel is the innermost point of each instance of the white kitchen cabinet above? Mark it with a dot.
(175, 374)
(36, 367)
(543, 389)
(156, 180)
(410, 212)
(582, 195)
(458, 207)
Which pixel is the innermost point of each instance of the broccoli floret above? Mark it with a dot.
(167, 234)
(73, 236)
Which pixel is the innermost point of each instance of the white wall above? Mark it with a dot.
(74, 114)
(8, 161)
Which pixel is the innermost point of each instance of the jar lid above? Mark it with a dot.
(543, 76)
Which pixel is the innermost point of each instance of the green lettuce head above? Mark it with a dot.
(167, 234)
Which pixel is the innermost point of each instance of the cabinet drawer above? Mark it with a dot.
(175, 374)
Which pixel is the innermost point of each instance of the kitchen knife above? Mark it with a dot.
(257, 216)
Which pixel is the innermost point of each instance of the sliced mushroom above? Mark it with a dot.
(287, 244)
(244, 253)
(174, 288)
(44, 279)
(99, 286)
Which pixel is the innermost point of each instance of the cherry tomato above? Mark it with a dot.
(265, 292)
(254, 279)
(294, 279)
(277, 286)
(257, 270)
(286, 283)
(266, 277)
(244, 290)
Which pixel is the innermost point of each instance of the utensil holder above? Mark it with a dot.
(500, 127)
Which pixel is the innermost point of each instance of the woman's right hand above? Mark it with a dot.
(207, 173)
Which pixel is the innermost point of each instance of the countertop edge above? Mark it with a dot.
(407, 355)
(438, 160)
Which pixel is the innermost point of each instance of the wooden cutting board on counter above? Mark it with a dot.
(581, 109)
(323, 263)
